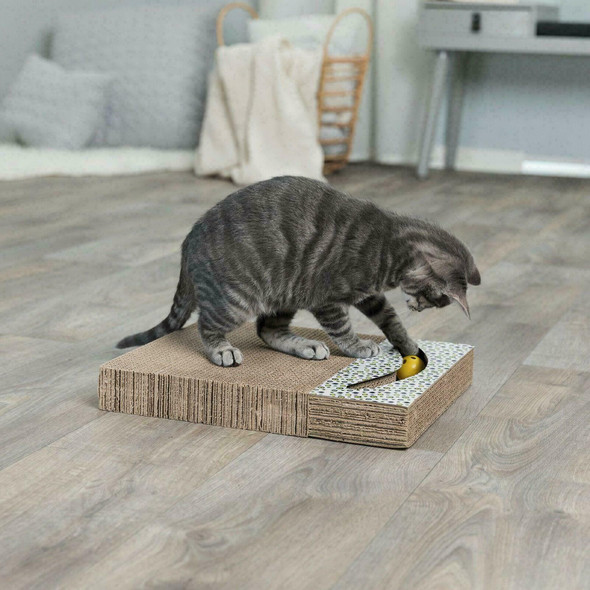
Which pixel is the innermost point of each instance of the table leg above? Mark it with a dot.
(436, 94)
(454, 108)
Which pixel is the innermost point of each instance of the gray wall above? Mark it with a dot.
(25, 27)
(539, 105)
(516, 108)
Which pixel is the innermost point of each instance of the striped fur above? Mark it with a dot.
(182, 307)
(274, 330)
(292, 243)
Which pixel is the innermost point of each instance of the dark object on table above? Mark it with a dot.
(557, 29)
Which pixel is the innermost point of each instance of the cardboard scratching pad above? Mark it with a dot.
(274, 392)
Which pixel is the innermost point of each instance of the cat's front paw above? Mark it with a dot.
(227, 357)
(363, 349)
(312, 350)
(408, 348)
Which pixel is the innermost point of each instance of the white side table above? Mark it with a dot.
(453, 30)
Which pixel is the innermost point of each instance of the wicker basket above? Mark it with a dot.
(339, 92)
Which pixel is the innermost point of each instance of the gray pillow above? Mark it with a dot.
(160, 57)
(50, 107)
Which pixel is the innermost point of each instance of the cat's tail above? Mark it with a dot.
(183, 306)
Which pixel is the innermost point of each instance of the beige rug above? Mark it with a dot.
(18, 162)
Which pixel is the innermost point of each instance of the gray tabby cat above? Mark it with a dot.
(292, 243)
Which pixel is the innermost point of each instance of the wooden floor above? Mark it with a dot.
(496, 494)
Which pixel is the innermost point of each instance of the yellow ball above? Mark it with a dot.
(411, 366)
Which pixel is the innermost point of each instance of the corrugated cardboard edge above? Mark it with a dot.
(281, 411)
(435, 400)
(384, 425)
(203, 401)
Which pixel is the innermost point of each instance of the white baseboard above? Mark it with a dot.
(556, 168)
(360, 156)
(484, 160)
(468, 159)
(498, 161)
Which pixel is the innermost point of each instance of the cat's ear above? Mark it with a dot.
(473, 276)
(460, 296)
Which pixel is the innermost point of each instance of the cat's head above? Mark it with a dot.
(439, 273)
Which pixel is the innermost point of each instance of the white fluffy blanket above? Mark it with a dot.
(261, 115)
(23, 162)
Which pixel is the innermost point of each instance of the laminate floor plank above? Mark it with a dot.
(494, 495)
(89, 307)
(51, 391)
(106, 494)
(508, 505)
(567, 344)
(295, 513)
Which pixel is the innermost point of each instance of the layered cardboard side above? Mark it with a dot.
(170, 378)
(202, 401)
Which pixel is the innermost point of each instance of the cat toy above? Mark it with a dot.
(411, 365)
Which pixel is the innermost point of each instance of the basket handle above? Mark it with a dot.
(223, 13)
(343, 15)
